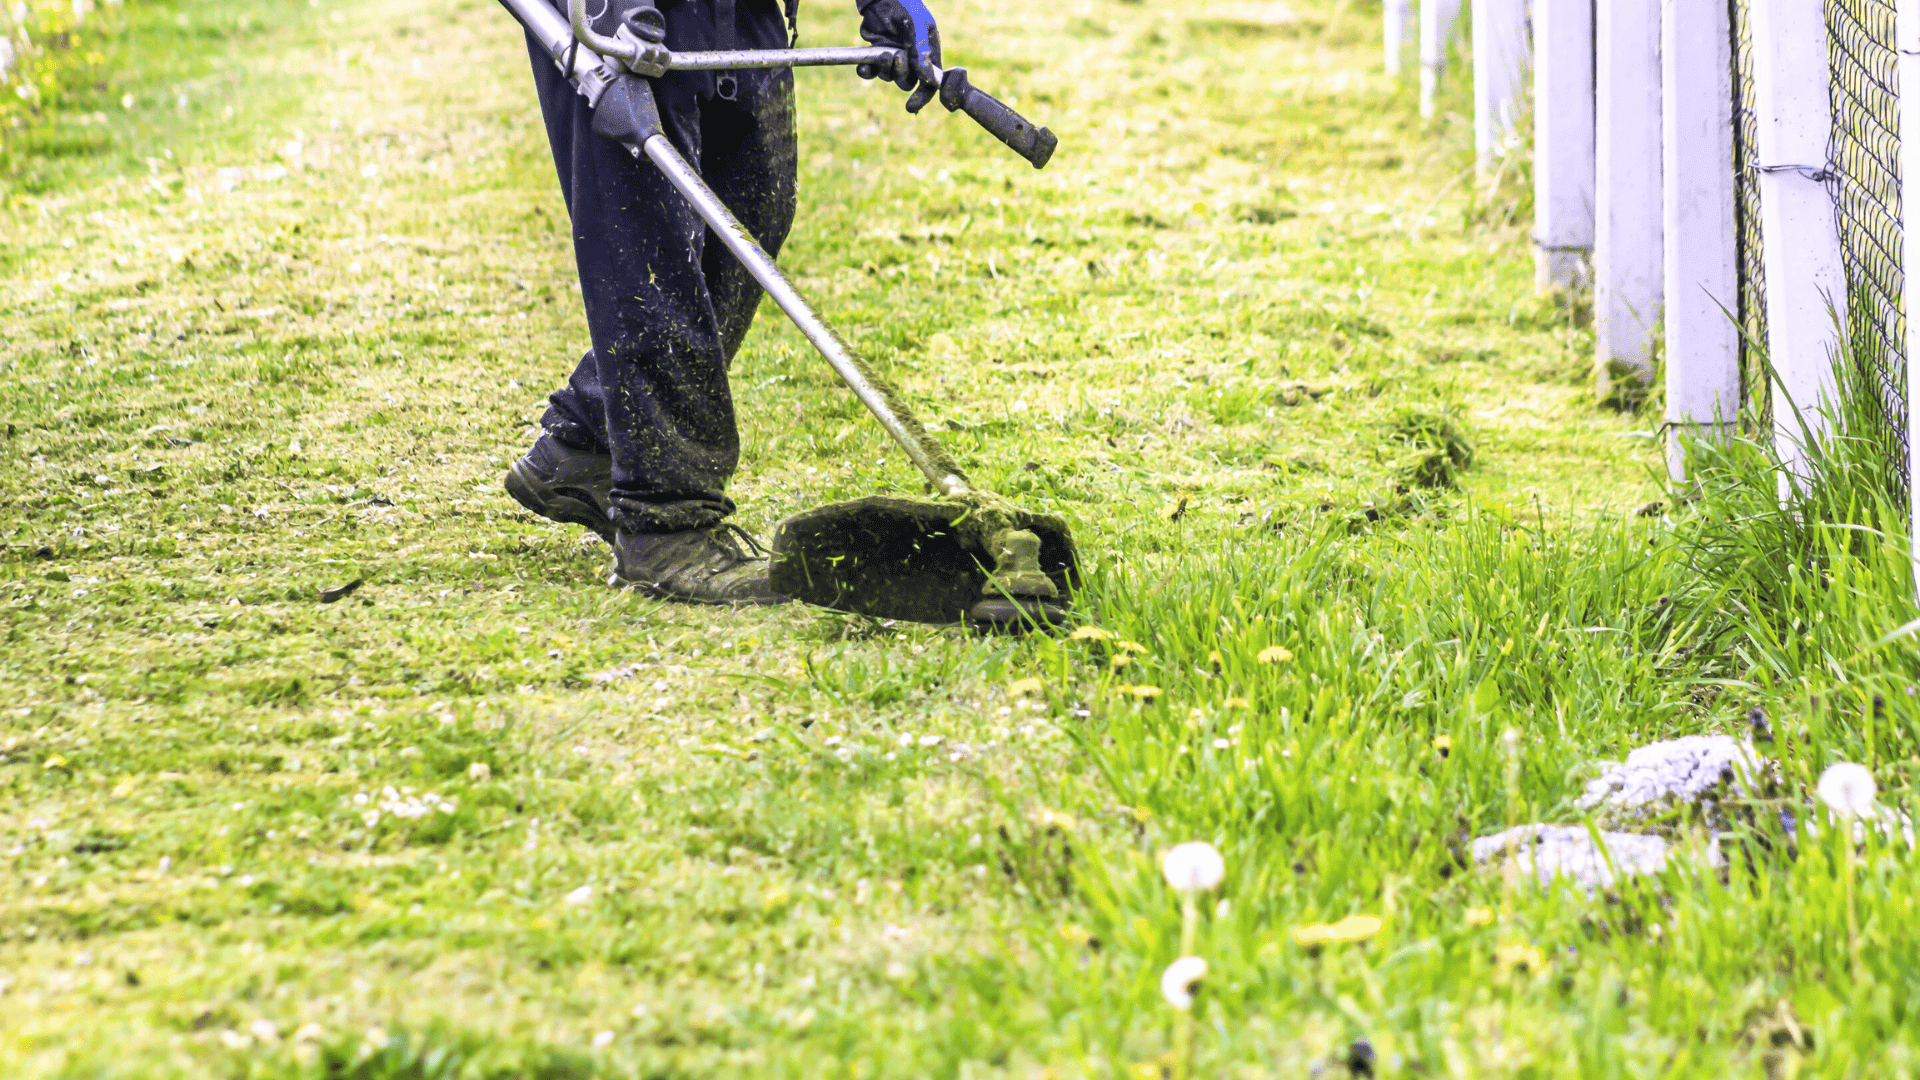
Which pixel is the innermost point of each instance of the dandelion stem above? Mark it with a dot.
(1183, 1019)
(1510, 743)
(1853, 920)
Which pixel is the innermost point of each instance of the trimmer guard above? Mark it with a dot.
(906, 559)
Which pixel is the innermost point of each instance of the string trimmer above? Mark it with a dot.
(968, 555)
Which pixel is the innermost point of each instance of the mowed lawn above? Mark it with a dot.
(276, 325)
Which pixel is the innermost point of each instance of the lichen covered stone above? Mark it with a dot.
(1683, 770)
(1545, 852)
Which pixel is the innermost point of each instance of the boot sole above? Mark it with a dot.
(556, 504)
(658, 593)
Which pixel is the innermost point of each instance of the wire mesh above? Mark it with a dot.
(1864, 166)
(1753, 273)
(1865, 161)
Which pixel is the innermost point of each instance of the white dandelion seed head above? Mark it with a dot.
(1178, 981)
(1848, 789)
(1194, 866)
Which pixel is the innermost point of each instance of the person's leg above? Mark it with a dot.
(749, 154)
(658, 365)
(575, 413)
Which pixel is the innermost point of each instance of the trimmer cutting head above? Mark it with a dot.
(932, 562)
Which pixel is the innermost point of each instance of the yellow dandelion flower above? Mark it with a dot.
(1144, 693)
(1090, 633)
(1443, 742)
(1057, 818)
(1517, 956)
(1022, 687)
(55, 762)
(1139, 813)
(1239, 703)
(124, 788)
(1121, 660)
(1351, 928)
(1215, 660)
(1077, 934)
(1132, 647)
(1479, 916)
(1275, 654)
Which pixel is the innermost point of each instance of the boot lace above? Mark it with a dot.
(739, 544)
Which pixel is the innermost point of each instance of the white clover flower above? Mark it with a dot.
(603, 1040)
(264, 1030)
(1194, 866)
(580, 895)
(1178, 981)
(1848, 790)
(479, 772)
(310, 1032)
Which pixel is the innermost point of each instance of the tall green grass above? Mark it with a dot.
(1810, 568)
(1331, 710)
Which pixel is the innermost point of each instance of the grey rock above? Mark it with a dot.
(1682, 770)
(1549, 851)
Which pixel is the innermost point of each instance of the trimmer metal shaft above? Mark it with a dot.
(881, 400)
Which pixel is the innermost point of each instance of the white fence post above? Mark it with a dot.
(1799, 232)
(1563, 107)
(1397, 19)
(1436, 29)
(1702, 280)
(1627, 252)
(1906, 48)
(1499, 68)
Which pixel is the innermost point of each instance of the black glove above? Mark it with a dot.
(906, 25)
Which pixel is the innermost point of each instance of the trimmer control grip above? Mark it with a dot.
(1036, 144)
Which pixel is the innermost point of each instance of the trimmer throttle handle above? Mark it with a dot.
(1036, 144)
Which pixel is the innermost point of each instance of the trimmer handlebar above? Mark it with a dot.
(642, 55)
(1036, 144)
(1029, 140)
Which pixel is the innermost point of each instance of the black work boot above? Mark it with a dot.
(698, 566)
(573, 487)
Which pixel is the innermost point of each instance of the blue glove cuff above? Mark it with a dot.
(923, 26)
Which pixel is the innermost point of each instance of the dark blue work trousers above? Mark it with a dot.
(667, 305)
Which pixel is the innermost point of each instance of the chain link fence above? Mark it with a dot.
(1863, 176)
(1865, 158)
(1753, 271)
